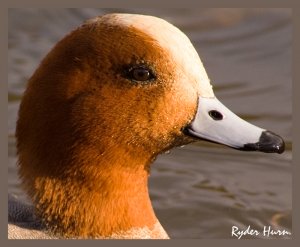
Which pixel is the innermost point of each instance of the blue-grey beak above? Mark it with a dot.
(216, 123)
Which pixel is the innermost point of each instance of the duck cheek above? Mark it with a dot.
(216, 123)
(172, 114)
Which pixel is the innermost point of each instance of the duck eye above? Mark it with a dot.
(140, 73)
(215, 115)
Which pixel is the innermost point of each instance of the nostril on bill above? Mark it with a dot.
(215, 115)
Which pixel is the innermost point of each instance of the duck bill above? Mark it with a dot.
(214, 122)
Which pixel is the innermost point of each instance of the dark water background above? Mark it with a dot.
(201, 190)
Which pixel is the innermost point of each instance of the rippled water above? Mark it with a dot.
(203, 189)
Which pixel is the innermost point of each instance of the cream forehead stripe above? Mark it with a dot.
(169, 38)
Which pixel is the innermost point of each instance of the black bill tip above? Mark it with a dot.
(268, 143)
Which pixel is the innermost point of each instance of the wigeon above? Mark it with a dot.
(108, 98)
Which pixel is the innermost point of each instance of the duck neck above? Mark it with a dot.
(102, 199)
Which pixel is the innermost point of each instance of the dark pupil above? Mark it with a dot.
(140, 74)
(215, 115)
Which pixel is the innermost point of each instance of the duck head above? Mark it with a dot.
(106, 100)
